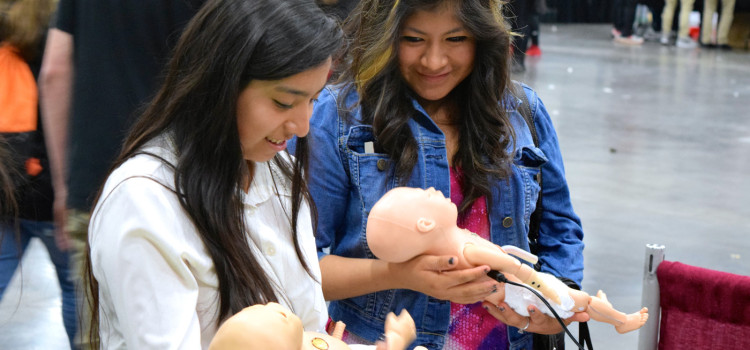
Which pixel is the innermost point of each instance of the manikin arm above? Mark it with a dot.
(400, 330)
(500, 261)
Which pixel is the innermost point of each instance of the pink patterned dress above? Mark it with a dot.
(471, 326)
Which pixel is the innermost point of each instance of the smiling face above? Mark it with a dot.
(436, 52)
(270, 112)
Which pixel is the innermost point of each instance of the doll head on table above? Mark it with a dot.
(277, 328)
(274, 327)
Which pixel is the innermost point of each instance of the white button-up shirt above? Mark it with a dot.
(157, 283)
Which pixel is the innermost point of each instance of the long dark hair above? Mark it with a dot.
(484, 129)
(224, 47)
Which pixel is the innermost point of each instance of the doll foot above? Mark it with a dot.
(633, 321)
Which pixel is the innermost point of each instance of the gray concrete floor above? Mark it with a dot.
(656, 142)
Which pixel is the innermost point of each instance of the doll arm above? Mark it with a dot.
(500, 261)
(400, 330)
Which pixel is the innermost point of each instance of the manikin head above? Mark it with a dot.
(404, 222)
(260, 327)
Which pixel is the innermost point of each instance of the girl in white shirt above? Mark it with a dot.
(204, 212)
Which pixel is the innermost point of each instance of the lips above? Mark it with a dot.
(276, 145)
(434, 77)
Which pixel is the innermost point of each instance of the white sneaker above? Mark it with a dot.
(615, 33)
(664, 40)
(629, 40)
(651, 35)
(686, 43)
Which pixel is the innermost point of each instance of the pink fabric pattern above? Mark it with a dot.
(472, 327)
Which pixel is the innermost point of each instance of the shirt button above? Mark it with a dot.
(269, 249)
(381, 164)
(507, 222)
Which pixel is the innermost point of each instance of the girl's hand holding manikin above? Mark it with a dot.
(438, 277)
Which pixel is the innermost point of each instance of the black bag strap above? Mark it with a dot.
(584, 336)
(555, 341)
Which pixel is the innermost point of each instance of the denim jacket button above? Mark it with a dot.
(507, 222)
(381, 164)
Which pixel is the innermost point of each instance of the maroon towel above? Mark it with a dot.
(702, 308)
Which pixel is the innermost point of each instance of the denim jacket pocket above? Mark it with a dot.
(529, 161)
(370, 172)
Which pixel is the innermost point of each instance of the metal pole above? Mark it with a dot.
(648, 335)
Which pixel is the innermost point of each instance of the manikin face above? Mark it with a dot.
(444, 211)
(410, 216)
(270, 112)
(410, 204)
(436, 52)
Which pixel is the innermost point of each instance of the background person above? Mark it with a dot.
(683, 32)
(725, 22)
(23, 28)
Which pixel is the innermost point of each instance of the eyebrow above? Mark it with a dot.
(293, 91)
(454, 30)
(290, 90)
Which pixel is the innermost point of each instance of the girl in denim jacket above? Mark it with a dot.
(424, 100)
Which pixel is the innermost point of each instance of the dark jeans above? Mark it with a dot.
(656, 7)
(624, 16)
(11, 252)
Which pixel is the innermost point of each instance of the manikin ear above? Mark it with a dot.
(425, 225)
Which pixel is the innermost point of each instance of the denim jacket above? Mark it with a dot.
(346, 181)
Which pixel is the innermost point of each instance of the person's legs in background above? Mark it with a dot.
(683, 34)
(666, 20)
(625, 9)
(534, 49)
(725, 23)
(617, 7)
(45, 231)
(656, 7)
(709, 8)
(11, 252)
(77, 225)
(518, 15)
